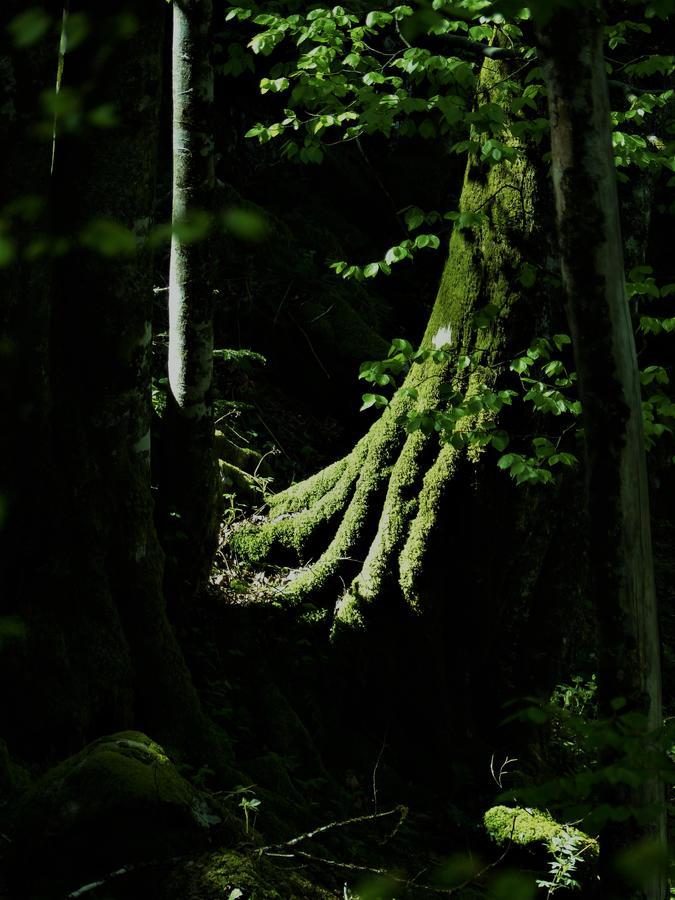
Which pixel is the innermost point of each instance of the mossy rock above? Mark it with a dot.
(14, 779)
(118, 801)
(215, 876)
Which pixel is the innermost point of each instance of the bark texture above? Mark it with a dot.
(609, 387)
(192, 476)
(432, 552)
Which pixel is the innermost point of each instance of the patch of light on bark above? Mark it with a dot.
(142, 445)
(141, 227)
(176, 337)
(442, 338)
(147, 335)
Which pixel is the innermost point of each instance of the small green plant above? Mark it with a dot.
(578, 697)
(573, 705)
(250, 807)
(567, 850)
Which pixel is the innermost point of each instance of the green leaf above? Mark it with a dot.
(414, 217)
(378, 18)
(109, 238)
(273, 85)
(7, 251)
(499, 440)
(399, 345)
(485, 315)
(373, 78)
(427, 240)
(561, 340)
(521, 365)
(410, 393)
(565, 459)
(12, 628)
(427, 129)
(371, 270)
(246, 224)
(373, 400)
(654, 374)
(528, 275)
(506, 461)
(396, 254)
(29, 27)
(103, 116)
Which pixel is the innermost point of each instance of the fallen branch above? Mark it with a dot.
(343, 823)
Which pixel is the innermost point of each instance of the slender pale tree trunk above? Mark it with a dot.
(609, 387)
(192, 475)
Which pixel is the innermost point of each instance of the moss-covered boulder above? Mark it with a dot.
(13, 778)
(120, 801)
(224, 874)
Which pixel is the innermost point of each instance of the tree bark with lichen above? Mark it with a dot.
(591, 250)
(433, 537)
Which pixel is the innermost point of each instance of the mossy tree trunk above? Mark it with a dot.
(609, 388)
(432, 537)
(192, 473)
(98, 652)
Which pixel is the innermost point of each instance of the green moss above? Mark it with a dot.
(525, 827)
(14, 779)
(381, 446)
(239, 482)
(298, 511)
(306, 493)
(119, 800)
(398, 483)
(217, 875)
(415, 551)
(243, 457)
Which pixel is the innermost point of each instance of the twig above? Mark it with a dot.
(475, 48)
(311, 346)
(406, 882)
(375, 768)
(321, 314)
(118, 873)
(343, 823)
(283, 299)
(269, 430)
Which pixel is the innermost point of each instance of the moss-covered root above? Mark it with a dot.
(398, 510)
(383, 445)
(297, 512)
(435, 486)
(351, 490)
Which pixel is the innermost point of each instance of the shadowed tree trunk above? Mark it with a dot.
(99, 652)
(609, 388)
(24, 326)
(433, 552)
(192, 476)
